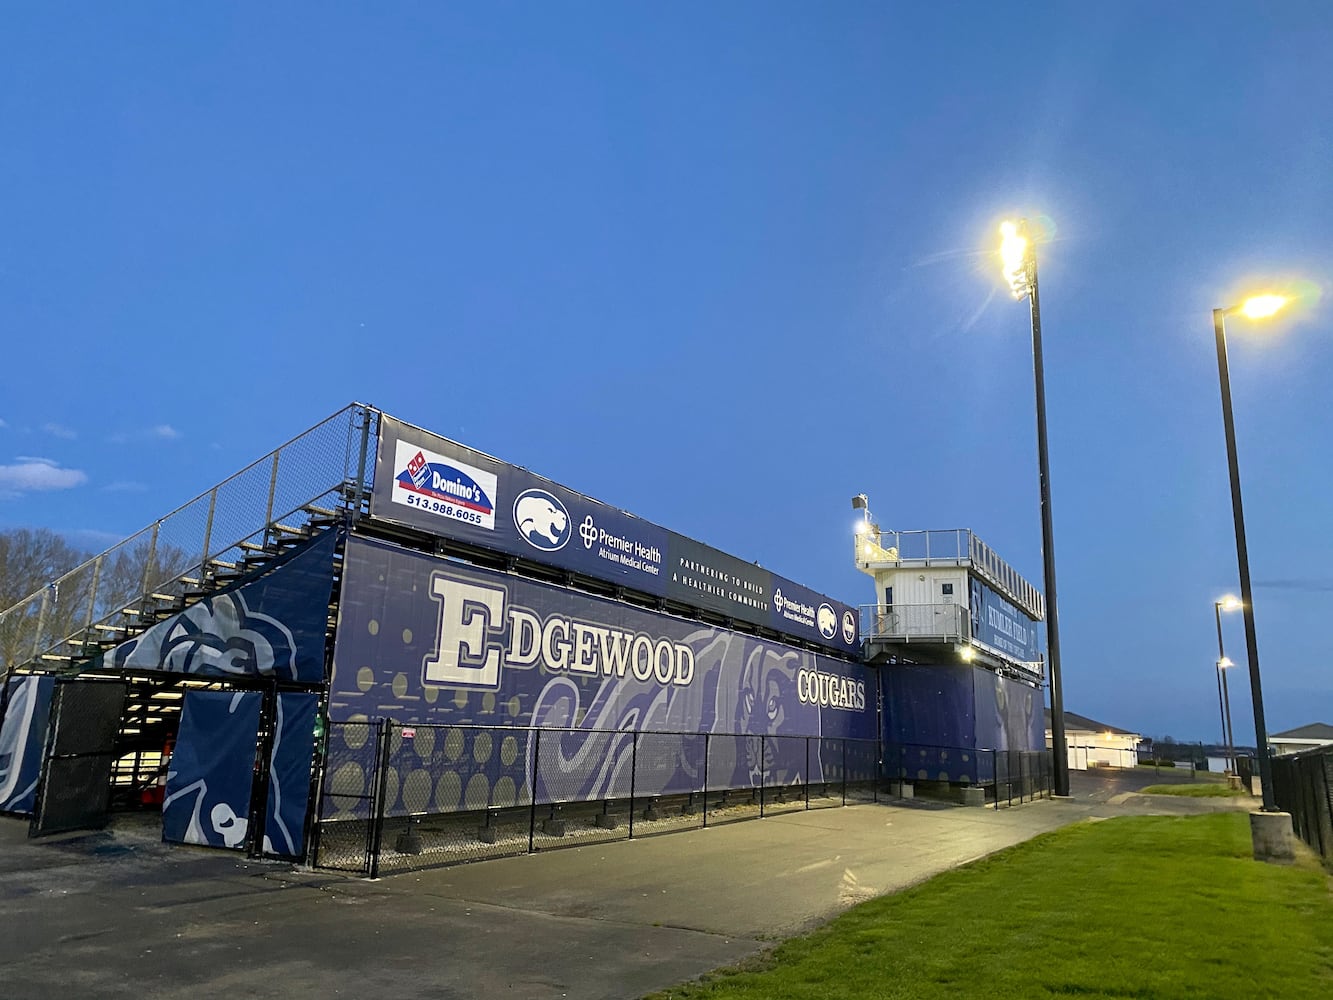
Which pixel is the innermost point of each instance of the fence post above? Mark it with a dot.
(147, 569)
(995, 778)
(208, 532)
(532, 787)
(361, 464)
(706, 738)
(844, 771)
(377, 814)
(807, 772)
(41, 622)
(763, 770)
(272, 492)
(92, 598)
(633, 773)
(314, 827)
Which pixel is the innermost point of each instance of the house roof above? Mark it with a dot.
(1314, 731)
(1082, 723)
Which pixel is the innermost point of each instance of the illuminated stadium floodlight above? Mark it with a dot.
(1015, 258)
(1255, 307)
(867, 543)
(1262, 306)
(1018, 257)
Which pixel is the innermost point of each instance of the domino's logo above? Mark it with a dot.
(542, 520)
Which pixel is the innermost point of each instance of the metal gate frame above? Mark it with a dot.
(75, 751)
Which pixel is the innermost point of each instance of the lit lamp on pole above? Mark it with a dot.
(1227, 603)
(1256, 307)
(1019, 258)
(868, 536)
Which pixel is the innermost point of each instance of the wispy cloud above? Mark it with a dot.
(60, 431)
(2, 422)
(158, 432)
(92, 538)
(29, 474)
(125, 486)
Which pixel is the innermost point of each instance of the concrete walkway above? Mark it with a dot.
(116, 914)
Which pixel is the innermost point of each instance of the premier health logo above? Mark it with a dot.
(796, 612)
(588, 532)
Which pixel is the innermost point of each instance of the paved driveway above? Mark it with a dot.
(117, 914)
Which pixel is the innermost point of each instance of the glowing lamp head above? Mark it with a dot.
(1262, 306)
(1225, 662)
(967, 654)
(1014, 258)
(1230, 603)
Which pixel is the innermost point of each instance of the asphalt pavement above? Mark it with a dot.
(117, 914)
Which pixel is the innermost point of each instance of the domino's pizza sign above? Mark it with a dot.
(443, 487)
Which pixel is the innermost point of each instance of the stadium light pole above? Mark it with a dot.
(1257, 307)
(1018, 255)
(1227, 603)
(1222, 665)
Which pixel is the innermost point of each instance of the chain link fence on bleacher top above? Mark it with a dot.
(328, 468)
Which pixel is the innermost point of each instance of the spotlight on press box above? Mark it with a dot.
(867, 548)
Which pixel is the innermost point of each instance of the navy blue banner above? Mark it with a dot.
(1003, 627)
(930, 705)
(423, 639)
(955, 706)
(289, 774)
(446, 488)
(23, 740)
(273, 626)
(212, 770)
(1008, 713)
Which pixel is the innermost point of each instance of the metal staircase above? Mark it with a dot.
(314, 481)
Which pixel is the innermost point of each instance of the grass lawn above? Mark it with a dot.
(1209, 791)
(1146, 907)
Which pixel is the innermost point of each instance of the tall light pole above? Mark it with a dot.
(1019, 256)
(1227, 603)
(1258, 307)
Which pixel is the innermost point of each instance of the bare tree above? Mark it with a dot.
(50, 591)
(32, 559)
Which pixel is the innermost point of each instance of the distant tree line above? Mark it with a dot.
(34, 559)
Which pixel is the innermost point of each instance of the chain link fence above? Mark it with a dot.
(1003, 776)
(323, 473)
(1303, 786)
(401, 797)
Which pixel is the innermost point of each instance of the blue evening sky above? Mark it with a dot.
(723, 265)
